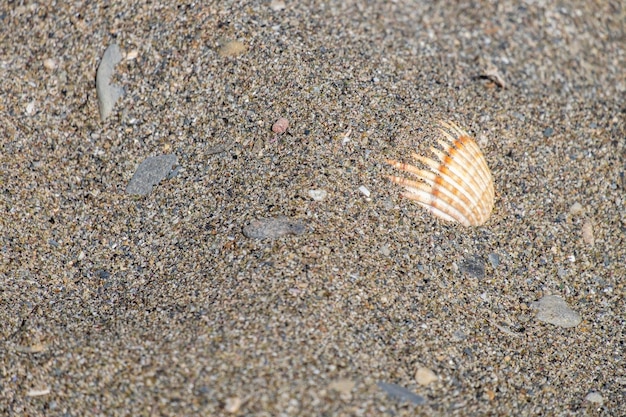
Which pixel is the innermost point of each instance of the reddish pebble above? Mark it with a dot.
(280, 126)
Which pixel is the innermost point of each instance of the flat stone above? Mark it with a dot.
(400, 393)
(273, 227)
(107, 92)
(554, 310)
(595, 397)
(474, 266)
(149, 173)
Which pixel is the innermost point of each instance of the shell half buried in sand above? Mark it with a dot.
(458, 187)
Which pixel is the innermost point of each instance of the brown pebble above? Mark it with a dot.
(588, 233)
(280, 126)
(232, 48)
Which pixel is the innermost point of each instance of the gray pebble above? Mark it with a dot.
(474, 266)
(554, 310)
(494, 258)
(548, 132)
(149, 173)
(273, 227)
(107, 92)
(400, 393)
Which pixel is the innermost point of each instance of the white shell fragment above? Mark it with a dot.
(458, 187)
(554, 310)
(107, 92)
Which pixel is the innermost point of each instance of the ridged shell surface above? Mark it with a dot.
(458, 186)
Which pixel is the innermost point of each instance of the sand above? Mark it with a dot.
(159, 305)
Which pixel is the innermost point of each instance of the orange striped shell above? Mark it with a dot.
(459, 187)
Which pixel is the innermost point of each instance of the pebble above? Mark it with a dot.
(280, 126)
(273, 227)
(318, 195)
(107, 92)
(233, 405)
(49, 64)
(576, 209)
(364, 190)
(400, 393)
(474, 266)
(548, 132)
(554, 310)
(425, 376)
(494, 259)
(277, 5)
(343, 387)
(595, 397)
(587, 231)
(149, 173)
(232, 48)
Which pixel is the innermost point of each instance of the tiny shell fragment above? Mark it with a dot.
(280, 126)
(131, 55)
(233, 405)
(49, 64)
(38, 392)
(273, 227)
(493, 74)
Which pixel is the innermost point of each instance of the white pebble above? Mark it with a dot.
(30, 108)
(595, 397)
(318, 195)
(364, 190)
(425, 376)
(277, 5)
(49, 64)
(576, 209)
(233, 405)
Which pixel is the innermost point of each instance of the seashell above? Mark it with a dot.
(458, 187)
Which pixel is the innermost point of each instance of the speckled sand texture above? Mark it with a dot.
(122, 305)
